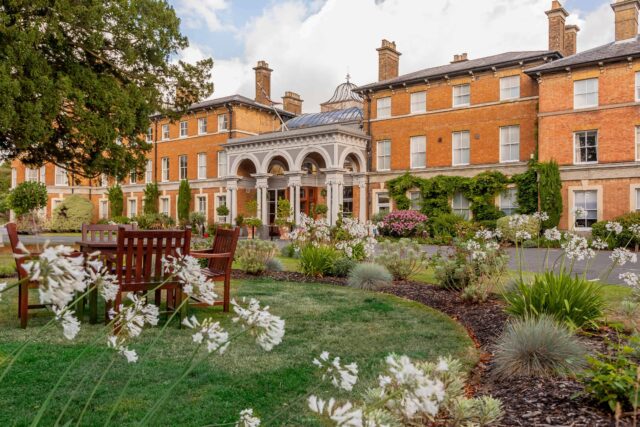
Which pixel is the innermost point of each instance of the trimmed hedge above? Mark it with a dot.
(71, 213)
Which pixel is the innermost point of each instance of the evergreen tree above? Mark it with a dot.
(550, 192)
(184, 201)
(116, 200)
(151, 198)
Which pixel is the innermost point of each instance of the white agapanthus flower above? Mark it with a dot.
(523, 235)
(577, 248)
(614, 227)
(130, 320)
(517, 221)
(553, 234)
(344, 415)
(621, 256)
(484, 234)
(194, 283)
(631, 279)
(635, 230)
(3, 286)
(217, 338)
(542, 216)
(70, 324)
(492, 246)
(599, 244)
(267, 328)
(247, 419)
(118, 344)
(103, 279)
(342, 377)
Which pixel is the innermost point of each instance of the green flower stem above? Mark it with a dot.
(95, 388)
(73, 393)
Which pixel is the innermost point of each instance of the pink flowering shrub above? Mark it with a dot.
(403, 224)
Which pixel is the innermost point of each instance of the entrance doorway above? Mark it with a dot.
(308, 199)
(272, 202)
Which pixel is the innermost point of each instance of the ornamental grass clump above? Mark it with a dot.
(369, 277)
(317, 261)
(252, 256)
(538, 347)
(408, 223)
(403, 258)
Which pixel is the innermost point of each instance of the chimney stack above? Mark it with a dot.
(557, 18)
(388, 61)
(626, 18)
(460, 58)
(292, 103)
(263, 83)
(570, 40)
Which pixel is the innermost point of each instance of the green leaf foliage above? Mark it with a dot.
(116, 200)
(151, 198)
(550, 193)
(527, 183)
(72, 213)
(27, 197)
(184, 200)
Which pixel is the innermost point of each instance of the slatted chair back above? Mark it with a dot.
(103, 232)
(17, 249)
(225, 241)
(140, 253)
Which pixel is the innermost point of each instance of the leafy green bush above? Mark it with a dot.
(445, 225)
(317, 261)
(528, 244)
(529, 224)
(155, 221)
(116, 201)
(342, 267)
(197, 221)
(8, 269)
(626, 238)
(71, 213)
(151, 198)
(288, 251)
(274, 264)
(27, 197)
(403, 258)
(453, 273)
(537, 347)
(121, 220)
(184, 201)
(550, 192)
(369, 276)
(252, 255)
(569, 299)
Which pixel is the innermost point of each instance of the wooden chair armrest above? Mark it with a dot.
(210, 256)
(201, 251)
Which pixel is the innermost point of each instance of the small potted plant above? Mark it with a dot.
(283, 218)
(253, 223)
(222, 211)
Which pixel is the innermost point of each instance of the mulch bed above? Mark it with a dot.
(526, 401)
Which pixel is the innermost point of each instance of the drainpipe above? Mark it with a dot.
(155, 151)
(369, 154)
(230, 109)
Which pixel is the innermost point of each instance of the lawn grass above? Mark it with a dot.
(359, 326)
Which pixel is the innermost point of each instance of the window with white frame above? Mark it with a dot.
(55, 203)
(585, 208)
(165, 132)
(202, 165)
(61, 176)
(165, 203)
(383, 154)
(202, 125)
(383, 202)
(133, 177)
(133, 208)
(43, 172)
(383, 107)
(461, 148)
(31, 174)
(183, 129)
(638, 86)
(149, 135)
(460, 205)
(103, 209)
(418, 147)
(585, 93)
(222, 164)
(221, 200)
(201, 205)
(182, 167)
(419, 102)
(586, 146)
(165, 169)
(347, 201)
(104, 180)
(461, 95)
(415, 198)
(223, 125)
(638, 143)
(637, 199)
(14, 177)
(148, 171)
(509, 201)
(509, 88)
(510, 144)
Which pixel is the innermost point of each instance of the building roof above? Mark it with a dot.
(463, 67)
(346, 116)
(240, 100)
(298, 133)
(615, 51)
(345, 92)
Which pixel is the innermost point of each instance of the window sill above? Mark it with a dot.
(460, 164)
(461, 106)
(585, 107)
(585, 163)
(417, 167)
(509, 161)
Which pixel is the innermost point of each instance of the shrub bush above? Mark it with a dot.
(626, 238)
(252, 255)
(27, 197)
(154, 221)
(403, 224)
(288, 251)
(317, 261)
(184, 201)
(71, 213)
(151, 198)
(116, 201)
(453, 273)
(403, 258)
(369, 276)
(8, 269)
(121, 220)
(530, 224)
(198, 221)
(537, 347)
(445, 225)
(571, 300)
(342, 267)
(274, 264)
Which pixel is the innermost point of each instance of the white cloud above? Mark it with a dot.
(596, 27)
(199, 13)
(312, 47)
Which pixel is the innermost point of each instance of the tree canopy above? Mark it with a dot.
(78, 77)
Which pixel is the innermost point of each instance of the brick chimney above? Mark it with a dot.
(460, 58)
(263, 83)
(557, 18)
(388, 61)
(626, 18)
(292, 103)
(570, 39)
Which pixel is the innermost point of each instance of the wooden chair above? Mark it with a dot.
(220, 258)
(21, 256)
(103, 232)
(139, 261)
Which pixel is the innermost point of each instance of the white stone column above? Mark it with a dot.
(335, 182)
(295, 182)
(232, 199)
(362, 203)
(262, 187)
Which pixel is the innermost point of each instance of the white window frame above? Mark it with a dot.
(577, 149)
(508, 202)
(165, 169)
(458, 138)
(418, 150)
(414, 201)
(165, 132)
(383, 157)
(31, 174)
(418, 102)
(460, 204)
(149, 135)
(199, 199)
(61, 177)
(43, 176)
(202, 165)
(584, 93)
(184, 129)
(104, 180)
(637, 143)
(574, 205)
(637, 86)
(202, 126)
(167, 200)
(510, 88)
(103, 208)
(510, 139)
(183, 170)
(635, 198)
(223, 124)
(379, 205)
(148, 172)
(461, 95)
(383, 107)
(55, 202)
(14, 177)
(220, 197)
(131, 213)
(222, 164)
(133, 177)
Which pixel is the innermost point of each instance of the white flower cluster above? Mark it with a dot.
(541, 216)
(70, 324)
(119, 345)
(635, 230)
(577, 248)
(621, 256)
(614, 227)
(359, 233)
(484, 246)
(217, 338)
(267, 328)
(631, 279)
(311, 231)
(247, 419)
(343, 377)
(599, 244)
(129, 323)
(553, 234)
(189, 273)
(485, 234)
(344, 415)
(523, 235)
(102, 278)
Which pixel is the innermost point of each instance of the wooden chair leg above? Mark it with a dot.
(23, 307)
(19, 299)
(158, 297)
(227, 291)
(93, 306)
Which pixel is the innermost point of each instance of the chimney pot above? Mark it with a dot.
(263, 83)
(292, 103)
(460, 58)
(570, 40)
(626, 12)
(388, 60)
